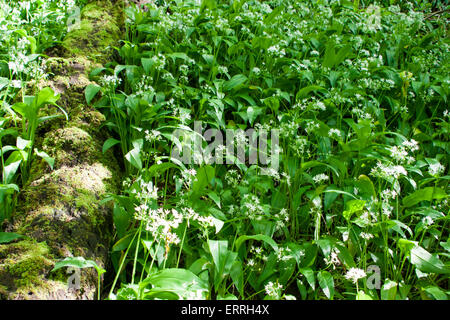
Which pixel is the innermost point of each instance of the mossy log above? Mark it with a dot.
(60, 211)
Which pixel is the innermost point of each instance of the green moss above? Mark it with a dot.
(56, 65)
(26, 262)
(96, 33)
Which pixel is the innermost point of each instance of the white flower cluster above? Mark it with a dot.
(400, 154)
(319, 178)
(110, 81)
(436, 169)
(354, 274)
(333, 259)
(273, 290)
(160, 223)
(252, 207)
(388, 171)
(152, 135)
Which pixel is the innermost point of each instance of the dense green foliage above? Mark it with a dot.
(359, 95)
(27, 29)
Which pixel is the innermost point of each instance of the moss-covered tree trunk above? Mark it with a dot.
(60, 211)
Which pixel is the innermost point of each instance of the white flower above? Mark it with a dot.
(366, 236)
(436, 169)
(222, 69)
(334, 133)
(354, 274)
(273, 290)
(412, 145)
(110, 81)
(153, 135)
(388, 171)
(320, 177)
(256, 70)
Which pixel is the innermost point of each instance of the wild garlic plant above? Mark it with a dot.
(357, 91)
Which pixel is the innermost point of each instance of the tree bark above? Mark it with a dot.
(60, 211)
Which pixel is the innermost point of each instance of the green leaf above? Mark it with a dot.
(121, 220)
(363, 296)
(46, 96)
(275, 12)
(234, 82)
(22, 144)
(427, 262)
(389, 290)
(109, 144)
(302, 289)
(181, 282)
(134, 157)
(436, 292)
(214, 197)
(304, 92)
(223, 259)
(10, 170)
(202, 179)
(9, 188)
(309, 275)
(147, 64)
(352, 207)
(446, 245)
(78, 262)
(326, 282)
(46, 157)
(6, 237)
(406, 245)
(218, 224)
(90, 92)
(237, 275)
(426, 194)
(259, 237)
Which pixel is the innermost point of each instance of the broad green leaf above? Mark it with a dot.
(9, 188)
(234, 82)
(214, 197)
(78, 262)
(427, 262)
(326, 282)
(436, 292)
(446, 245)
(181, 282)
(22, 144)
(46, 96)
(147, 64)
(272, 16)
(389, 290)
(363, 296)
(426, 194)
(134, 157)
(304, 92)
(90, 92)
(10, 170)
(406, 245)
(237, 275)
(259, 237)
(109, 144)
(203, 177)
(221, 256)
(309, 275)
(46, 157)
(6, 237)
(353, 206)
(302, 289)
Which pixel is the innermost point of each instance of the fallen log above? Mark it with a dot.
(59, 211)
